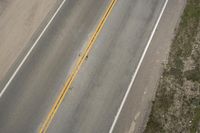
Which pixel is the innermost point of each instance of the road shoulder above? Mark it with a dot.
(20, 23)
(135, 113)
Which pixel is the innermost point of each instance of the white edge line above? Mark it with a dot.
(137, 69)
(31, 49)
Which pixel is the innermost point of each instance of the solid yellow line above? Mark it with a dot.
(76, 69)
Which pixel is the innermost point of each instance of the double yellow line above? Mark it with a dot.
(76, 69)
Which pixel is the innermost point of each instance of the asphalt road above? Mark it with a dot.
(96, 94)
(136, 110)
(33, 91)
(94, 98)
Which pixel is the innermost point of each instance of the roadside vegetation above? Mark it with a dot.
(176, 108)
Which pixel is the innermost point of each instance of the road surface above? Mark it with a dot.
(98, 89)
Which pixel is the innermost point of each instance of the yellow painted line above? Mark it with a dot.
(76, 69)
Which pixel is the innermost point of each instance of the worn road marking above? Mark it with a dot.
(76, 69)
(137, 69)
(132, 127)
(133, 123)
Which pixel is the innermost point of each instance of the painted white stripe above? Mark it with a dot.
(137, 69)
(31, 49)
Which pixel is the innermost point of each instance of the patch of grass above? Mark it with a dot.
(195, 121)
(154, 126)
(174, 78)
(193, 75)
(165, 99)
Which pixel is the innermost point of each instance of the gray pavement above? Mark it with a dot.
(135, 112)
(28, 99)
(92, 102)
